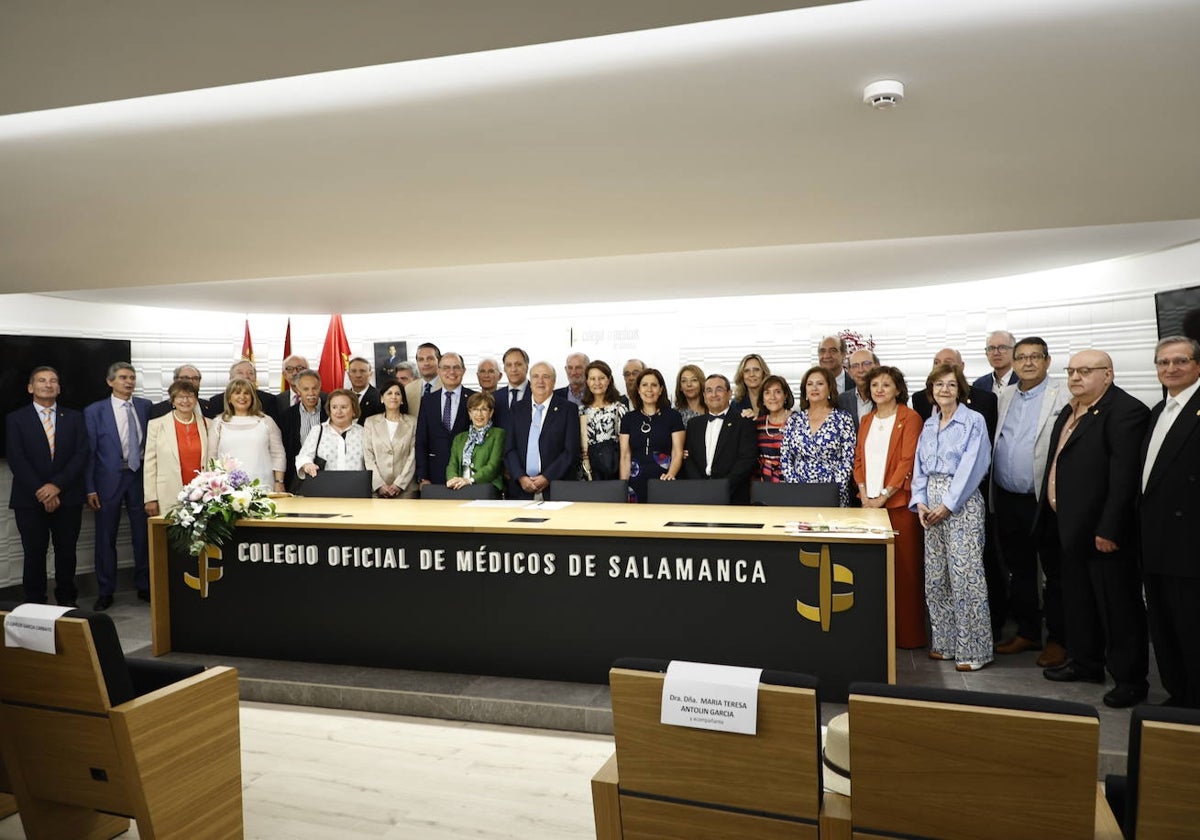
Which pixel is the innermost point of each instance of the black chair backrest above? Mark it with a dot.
(588, 491)
(341, 484)
(714, 491)
(793, 495)
(471, 491)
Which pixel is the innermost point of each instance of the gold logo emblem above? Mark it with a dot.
(829, 573)
(205, 574)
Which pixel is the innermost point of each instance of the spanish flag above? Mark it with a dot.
(335, 357)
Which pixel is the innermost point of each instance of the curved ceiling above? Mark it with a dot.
(630, 165)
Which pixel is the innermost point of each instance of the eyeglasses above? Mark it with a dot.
(293, 369)
(861, 365)
(1178, 361)
(1083, 371)
(1029, 357)
(997, 348)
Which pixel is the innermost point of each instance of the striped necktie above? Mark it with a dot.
(48, 425)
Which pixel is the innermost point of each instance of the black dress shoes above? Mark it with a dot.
(102, 603)
(144, 595)
(1124, 696)
(1070, 672)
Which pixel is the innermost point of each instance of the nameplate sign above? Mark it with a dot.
(703, 696)
(31, 626)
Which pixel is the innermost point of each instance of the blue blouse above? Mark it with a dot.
(821, 457)
(960, 450)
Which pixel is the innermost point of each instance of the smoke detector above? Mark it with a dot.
(884, 94)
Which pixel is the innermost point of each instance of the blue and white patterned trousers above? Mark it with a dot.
(955, 587)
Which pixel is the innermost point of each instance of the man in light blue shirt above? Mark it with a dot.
(1026, 416)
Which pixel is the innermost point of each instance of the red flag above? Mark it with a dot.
(287, 351)
(335, 357)
(247, 344)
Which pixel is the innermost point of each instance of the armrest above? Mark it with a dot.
(183, 741)
(606, 802)
(1106, 824)
(835, 821)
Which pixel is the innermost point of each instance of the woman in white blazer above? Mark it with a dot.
(176, 448)
(389, 446)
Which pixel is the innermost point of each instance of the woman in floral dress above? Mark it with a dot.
(818, 441)
(600, 424)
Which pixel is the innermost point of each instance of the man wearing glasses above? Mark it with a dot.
(999, 352)
(1027, 414)
(1088, 506)
(292, 366)
(188, 373)
(443, 414)
(856, 401)
(1169, 509)
(722, 443)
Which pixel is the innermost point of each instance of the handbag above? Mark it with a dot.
(605, 459)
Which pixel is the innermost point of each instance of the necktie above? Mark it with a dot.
(133, 454)
(512, 397)
(1157, 435)
(713, 417)
(49, 427)
(447, 421)
(533, 456)
(425, 393)
(295, 398)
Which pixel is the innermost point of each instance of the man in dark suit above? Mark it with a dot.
(1169, 509)
(112, 477)
(442, 416)
(1087, 505)
(856, 401)
(369, 402)
(301, 418)
(244, 369)
(541, 443)
(516, 371)
(576, 387)
(47, 451)
(999, 350)
(188, 373)
(427, 380)
(831, 353)
(293, 365)
(722, 443)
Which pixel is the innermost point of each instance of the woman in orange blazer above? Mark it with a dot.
(883, 468)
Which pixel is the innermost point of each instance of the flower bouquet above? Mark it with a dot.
(211, 503)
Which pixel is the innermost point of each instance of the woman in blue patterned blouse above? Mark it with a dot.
(818, 441)
(953, 456)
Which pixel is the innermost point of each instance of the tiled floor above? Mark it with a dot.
(347, 771)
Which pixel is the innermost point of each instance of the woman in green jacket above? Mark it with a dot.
(477, 455)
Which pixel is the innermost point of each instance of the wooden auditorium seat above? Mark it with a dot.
(963, 765)
(91, 740)
(1159, 798)
(678, 783)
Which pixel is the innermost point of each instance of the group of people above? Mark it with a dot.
(1014, 497)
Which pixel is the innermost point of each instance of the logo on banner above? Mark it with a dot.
(828, 573)
(205, 574)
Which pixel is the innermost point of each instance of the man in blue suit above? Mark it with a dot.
(116, 430)
(442, 416)
(47, 453)
(541, 443)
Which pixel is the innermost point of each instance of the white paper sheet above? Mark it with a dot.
(719, 697)
(31, 626)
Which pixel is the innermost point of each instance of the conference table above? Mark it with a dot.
(552, 591)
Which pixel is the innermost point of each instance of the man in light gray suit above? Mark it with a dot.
(1026, 416)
